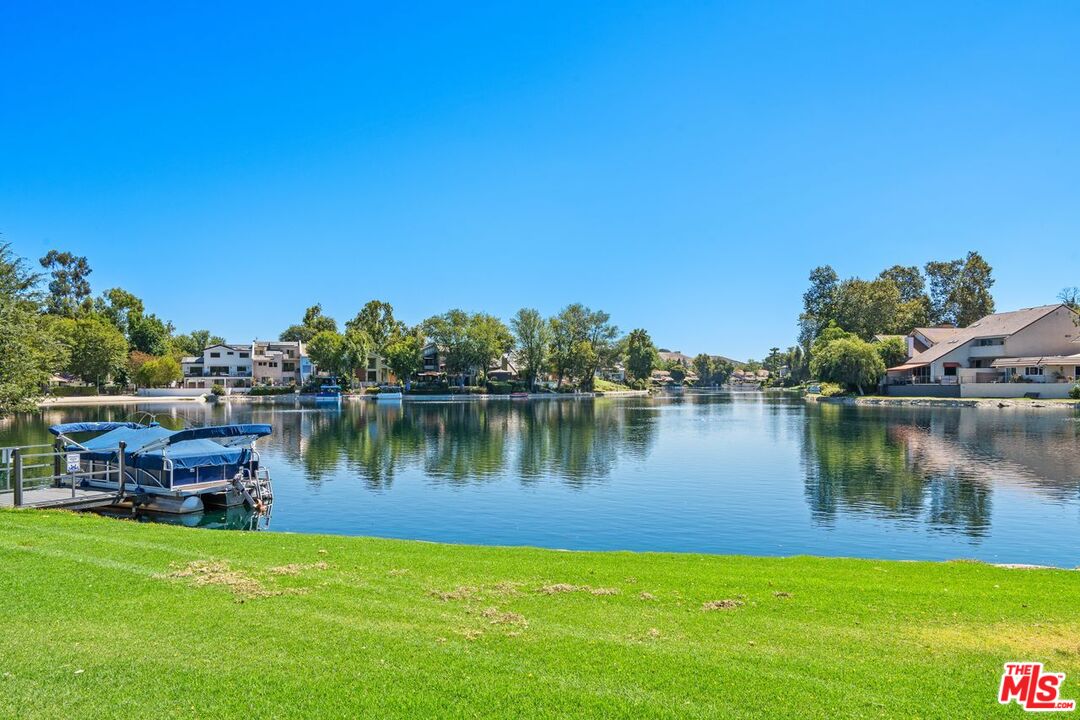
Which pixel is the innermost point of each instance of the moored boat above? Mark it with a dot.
(173, 471)
(389, 393)
(329, 393)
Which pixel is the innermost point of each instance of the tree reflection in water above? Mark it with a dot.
(470, 442)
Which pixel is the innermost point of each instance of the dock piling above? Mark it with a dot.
(17, 471)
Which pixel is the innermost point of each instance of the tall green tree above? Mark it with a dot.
(96, 349)
(960, 290)
(29, 350)
(404, 353)
(533, 338)
(118, 306)
(641, 355)
(490, 340)
(705, 367)
(149, 334)
(817, 303)
(327, 350)
(313, 323)
(376, 319)
(69, 289)
(450, 332)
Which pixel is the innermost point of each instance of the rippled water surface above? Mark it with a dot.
(708, 473)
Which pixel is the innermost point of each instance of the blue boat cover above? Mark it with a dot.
(81, 427)
(197, 451)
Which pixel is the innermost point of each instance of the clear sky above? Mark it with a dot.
(680, 165)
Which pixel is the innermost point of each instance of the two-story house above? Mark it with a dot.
(228, 365)
(279, 362)
(1033, 345)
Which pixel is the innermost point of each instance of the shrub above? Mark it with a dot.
(218, 389)
(272, 390)
(847, 360)
(73, 391)
(498, 387)
(1074, 392)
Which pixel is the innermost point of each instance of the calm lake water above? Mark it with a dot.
(719, 473)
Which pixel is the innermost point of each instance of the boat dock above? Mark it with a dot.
(43, 477)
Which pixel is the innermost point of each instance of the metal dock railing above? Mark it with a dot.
(47, 476)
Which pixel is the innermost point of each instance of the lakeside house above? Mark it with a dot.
(238, 367)
(1010, 354)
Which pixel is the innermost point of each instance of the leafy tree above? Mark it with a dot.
(908, 280)
(849, 361)
(533, 338)
(195, 342)
(149, 334)
(405, 353)
(327, 350)
(705, 367)
(489, 338)
(867, 308)
(29, 349)
(118, 306)
(356, 347)
(960, 290)
(158, 372)
(376, 319)
(314, 322)
(97, 350)
(69, 289)
(817, 303)
(892, 350)
(450, 332)
(641, 355)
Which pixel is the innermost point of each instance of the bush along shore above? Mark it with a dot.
(108, 619)
(995, 403)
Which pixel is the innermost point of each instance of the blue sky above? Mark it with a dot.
(680, 165)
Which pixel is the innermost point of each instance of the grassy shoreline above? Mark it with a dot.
(105, 618)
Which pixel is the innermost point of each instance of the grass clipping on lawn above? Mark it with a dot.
(112, 619)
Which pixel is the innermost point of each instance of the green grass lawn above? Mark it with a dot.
(105, 618)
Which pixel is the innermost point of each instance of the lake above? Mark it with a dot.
(719, 473)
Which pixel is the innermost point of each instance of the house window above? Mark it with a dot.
(989, 342)
(215, 354)
(921, 374)
(371, 363)
(229, 352)
(371, 376)
(288, 367)
(245, 355)
(1033, 371)
(950, 371)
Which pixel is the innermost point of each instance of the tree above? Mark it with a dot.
(314, 322)
(849, 361)
(450, 332)
(376, 319)
(641, 355)
(908, 280)
(404, 353)
(118, 306)
(602, 336)
(149, 334)
(817, 303)
(195, 342)
(705, 367)
(1070, 296)
(567, 328)
(960, 290)
(97, 350)
(533, 337)
(69, 289)
(490, 340)
(326, 349)
(356, 347)
(774, 360)
(158, 372)
(892, 350)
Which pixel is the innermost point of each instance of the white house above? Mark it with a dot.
(228, 365)
(1000, 355)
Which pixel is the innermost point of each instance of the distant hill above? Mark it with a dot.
(667, 355)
